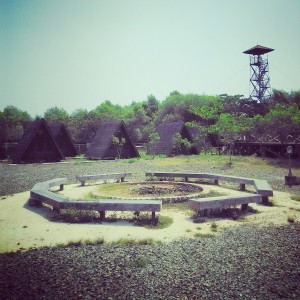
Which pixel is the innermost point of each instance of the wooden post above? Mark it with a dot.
(186, 179)
(216, 182)
(122, 179)
(61, 187)
(82, 183)
(244, 207)
(242, 187)
(102, 215)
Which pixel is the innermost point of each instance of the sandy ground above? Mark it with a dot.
(23, 227)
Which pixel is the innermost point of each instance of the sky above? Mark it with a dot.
(78, 53)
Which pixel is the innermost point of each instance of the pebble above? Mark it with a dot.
(241, 263)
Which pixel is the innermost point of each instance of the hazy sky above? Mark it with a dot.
(79, 53)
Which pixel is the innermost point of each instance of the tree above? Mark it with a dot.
(119, 143)
(180, 144)
(230, 127)
(281, 121)
(12, 123)
(56, 114)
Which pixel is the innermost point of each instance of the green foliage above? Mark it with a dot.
(56, 114)
(139, 263)
(12, 123)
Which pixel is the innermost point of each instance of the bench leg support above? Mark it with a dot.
(216, 182)
(244, 207)
(102, 215)
(61, 187)
(186, 179)
(153, 216)
(33, 202)
(122, 179)
(56, 209)
(242, 187)
(82, 183)
(265, 199)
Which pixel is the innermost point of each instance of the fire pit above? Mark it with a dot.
(168, 192)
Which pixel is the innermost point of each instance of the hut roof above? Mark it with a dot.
(102, 140)
(166, 131)
(29, 135)
(63, 138)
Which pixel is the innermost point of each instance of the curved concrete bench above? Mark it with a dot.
(262, 188)
(40, 194)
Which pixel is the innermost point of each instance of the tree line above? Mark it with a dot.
(228, 115)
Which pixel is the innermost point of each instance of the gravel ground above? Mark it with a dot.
(244, 263)
(241, 263)
(19, 178)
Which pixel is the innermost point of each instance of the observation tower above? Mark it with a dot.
(260, 78)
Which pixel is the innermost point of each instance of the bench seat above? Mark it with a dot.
(223, 201)
(84, 178)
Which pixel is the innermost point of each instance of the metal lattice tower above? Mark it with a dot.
(260, 78)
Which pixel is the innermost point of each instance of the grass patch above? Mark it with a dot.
(74, 216)
(296, 209)
(295, 198)
(188, 230)
(129, 242)
(181, 206)
(160, 222)
(98, 241)
(204, 235)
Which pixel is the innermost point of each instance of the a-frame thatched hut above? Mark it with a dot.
(102, 146)
(165, 145)
(63, 139)
(37, 145)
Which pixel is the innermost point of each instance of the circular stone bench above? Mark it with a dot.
(40, 194)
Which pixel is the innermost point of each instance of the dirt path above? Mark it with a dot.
(23, 227)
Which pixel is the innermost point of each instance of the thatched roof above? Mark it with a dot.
(102, 146)
(166, 132)
(63, 139)
(37, 144)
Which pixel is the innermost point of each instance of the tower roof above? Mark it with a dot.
(258, 50)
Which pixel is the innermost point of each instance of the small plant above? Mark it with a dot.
(214, 226)
(188, 230)
(139, 263)
(291, 219)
